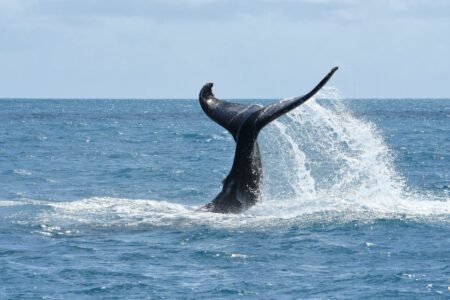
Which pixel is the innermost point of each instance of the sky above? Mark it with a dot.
(248, 48)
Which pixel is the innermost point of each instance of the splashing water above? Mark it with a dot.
(321, 158)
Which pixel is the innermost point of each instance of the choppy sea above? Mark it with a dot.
(98, 199)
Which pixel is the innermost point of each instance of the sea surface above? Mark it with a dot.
(99, 199)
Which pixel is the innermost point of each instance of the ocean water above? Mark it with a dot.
(98, 199)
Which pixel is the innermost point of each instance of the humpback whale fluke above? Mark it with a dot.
(241, 188)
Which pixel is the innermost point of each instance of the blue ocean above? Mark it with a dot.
(99, 199)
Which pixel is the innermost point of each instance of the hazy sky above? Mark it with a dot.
(248, 48)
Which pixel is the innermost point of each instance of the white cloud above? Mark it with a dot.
(219, 10)
(144, 48)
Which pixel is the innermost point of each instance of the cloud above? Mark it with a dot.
(224, 10)
(168, 48)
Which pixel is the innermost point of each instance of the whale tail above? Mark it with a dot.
(231, 115)
(240, 189)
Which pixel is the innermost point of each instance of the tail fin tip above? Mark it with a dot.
(206, 90)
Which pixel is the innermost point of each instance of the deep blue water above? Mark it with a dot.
(98, 199)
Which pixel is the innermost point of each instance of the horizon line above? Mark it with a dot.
(226, 99)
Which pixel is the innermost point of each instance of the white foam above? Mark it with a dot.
(65, 217)
(22, 172)
(6, 203)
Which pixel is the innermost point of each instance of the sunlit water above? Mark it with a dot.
(98, 199)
